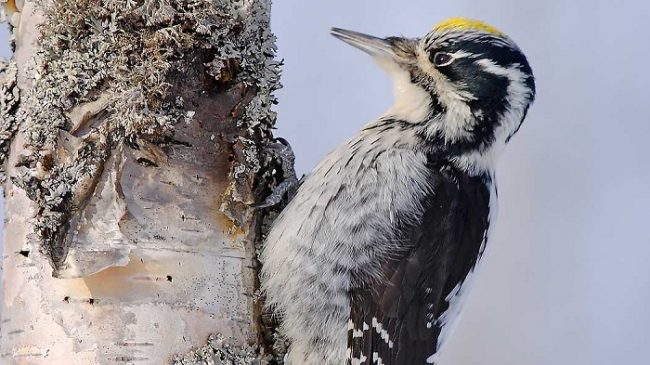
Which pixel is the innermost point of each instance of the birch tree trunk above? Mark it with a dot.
(131, 135)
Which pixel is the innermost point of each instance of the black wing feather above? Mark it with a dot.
(394, 320)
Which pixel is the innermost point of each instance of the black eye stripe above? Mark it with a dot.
(498, 53)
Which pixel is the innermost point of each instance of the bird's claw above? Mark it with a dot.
(281, 149)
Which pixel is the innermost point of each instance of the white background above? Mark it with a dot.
(566, 280)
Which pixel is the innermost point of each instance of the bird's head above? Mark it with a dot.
(465, 86)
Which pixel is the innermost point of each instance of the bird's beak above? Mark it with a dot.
(376, 47)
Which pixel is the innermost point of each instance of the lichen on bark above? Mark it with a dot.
(9, 99)
(219, 351)
(105, 77)
(139, 138)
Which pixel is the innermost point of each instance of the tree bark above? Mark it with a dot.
(132, 135)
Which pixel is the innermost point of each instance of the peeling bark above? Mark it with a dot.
(132, 137)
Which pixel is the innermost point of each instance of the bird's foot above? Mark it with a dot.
(281, 150)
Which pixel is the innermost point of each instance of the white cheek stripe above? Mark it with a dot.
(518, 96)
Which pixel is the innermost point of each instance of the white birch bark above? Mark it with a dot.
(131, 134)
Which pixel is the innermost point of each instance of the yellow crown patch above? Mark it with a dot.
(469, 24)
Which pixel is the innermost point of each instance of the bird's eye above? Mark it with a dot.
(442, 59)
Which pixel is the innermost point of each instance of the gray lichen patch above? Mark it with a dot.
(255, 67)
(104, 77)
(9, 98)
(220, 351)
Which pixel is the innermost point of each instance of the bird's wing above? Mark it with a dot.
(398, 319)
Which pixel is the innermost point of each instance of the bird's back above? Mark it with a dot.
(404, 316)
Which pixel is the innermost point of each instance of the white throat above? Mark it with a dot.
(411, 103)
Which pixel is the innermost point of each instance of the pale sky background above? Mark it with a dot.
(566, 280)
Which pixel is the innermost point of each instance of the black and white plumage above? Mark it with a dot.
(370, 261)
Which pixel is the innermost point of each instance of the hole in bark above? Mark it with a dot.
(169, 278)
(91, 301)
(181, 143)
(146, 162)
(24, 253)
(66, 299)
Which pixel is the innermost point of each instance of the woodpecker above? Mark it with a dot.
(370, 262)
